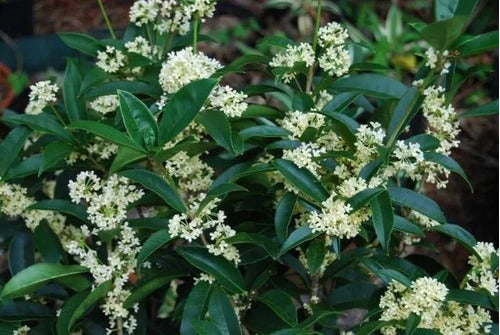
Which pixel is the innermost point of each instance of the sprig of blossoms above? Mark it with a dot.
(335, 59)
(297, 122)
(304, 156)
(142, 47)
(436, 59)
(292, 55)
(105, 104)
(191, 226)
(228, 100)
(483, 275)
(426, 297)
(193, 175)
(41, 95)
(111, 60)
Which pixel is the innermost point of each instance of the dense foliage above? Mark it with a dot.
(148, 196)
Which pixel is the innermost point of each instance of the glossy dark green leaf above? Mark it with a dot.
(219, 128)
(357, 294)
(411, 199)
(403, 225)
(158, 185)
(153, 243)
(149, 287)
(11, 146)
(195, 307)
(402, 115)
(449, 164)
(340, 102)
(442, 33)
(21, 252)
(363, 198)
(43, 122)
(48, 243)
(75, 105)
(139, 121)
(457, 233)
(283, 215)
(92, 78)
(425, 141)
(124, 157)
(412, 323)
(62, 206)
(479, 44)
(297, 237)
(183, 108)
(258, 239)
(204, 327)
(26, 167)
(254, 110)
(222, 190)
(282, 304)
(134, 87)
(67, 310)
(89, 302)
(471, 298)
(388, 275)
(81, 42)
(23, 311)
(383, 218)
(222, 313)
(106, 132)
(263, 131)
(315, 255)
(223, 270)
(374, 85)
(302, 179)
(54, 153)
(35, 276)
(490, 108)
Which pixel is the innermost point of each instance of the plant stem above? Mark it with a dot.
(310, 75)
(119, 326)
(105, 16)
(196, 25)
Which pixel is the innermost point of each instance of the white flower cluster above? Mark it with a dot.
(427, 298)
(191, 225)
(482, 275)
(102, 149)
(292, 55)
(14, 201)
(141, 46)
(185, 66)
(107, 200)
(170, 15)
(41, 95)
(323, 98)
(228, 100)
(111, 60)
(304, 156)
(193, 175)
(23, 330)
(297, 122)
(105, 104)
(333, 220)
(408, 157)
(436, 59)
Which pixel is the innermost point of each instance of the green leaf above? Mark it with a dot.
(134, 87)
(158, 185)
(258, 239)
(67, 310)
(89, 302)
(24, 168)
(183, 108)
(153, 243)
(479, 44)
(218, 127)
(92, 78)
(441, 34)
(62, 206)
(54, 153)
(302, 179)
(340, 102)
(254, 110)
(124, 157)
(47, 243)
(383, 218)
(425, 141)
(374, 85)
(457, 233)
(221, 190)
(411, 199)
(283, 215)
(315, 255)
(408, 227)
(138, 120)
(263, 131)
(297, 237)
(106, 132)
(23, 311)
(490, 108)
(35, 276)
(223, 270)
(81, 42)
(204, 327)
(195, 307)
(149, 287)
(21, 252)
(449, 164)
(445, 9)
(222, 313)
(11, 147)
(388, 275)
(75, 106)
(402, 115)
(363, 198)
(282, 304)
(42, 122)
(471, 298)
(412, 323)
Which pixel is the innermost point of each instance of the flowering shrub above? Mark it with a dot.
(147, 195)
